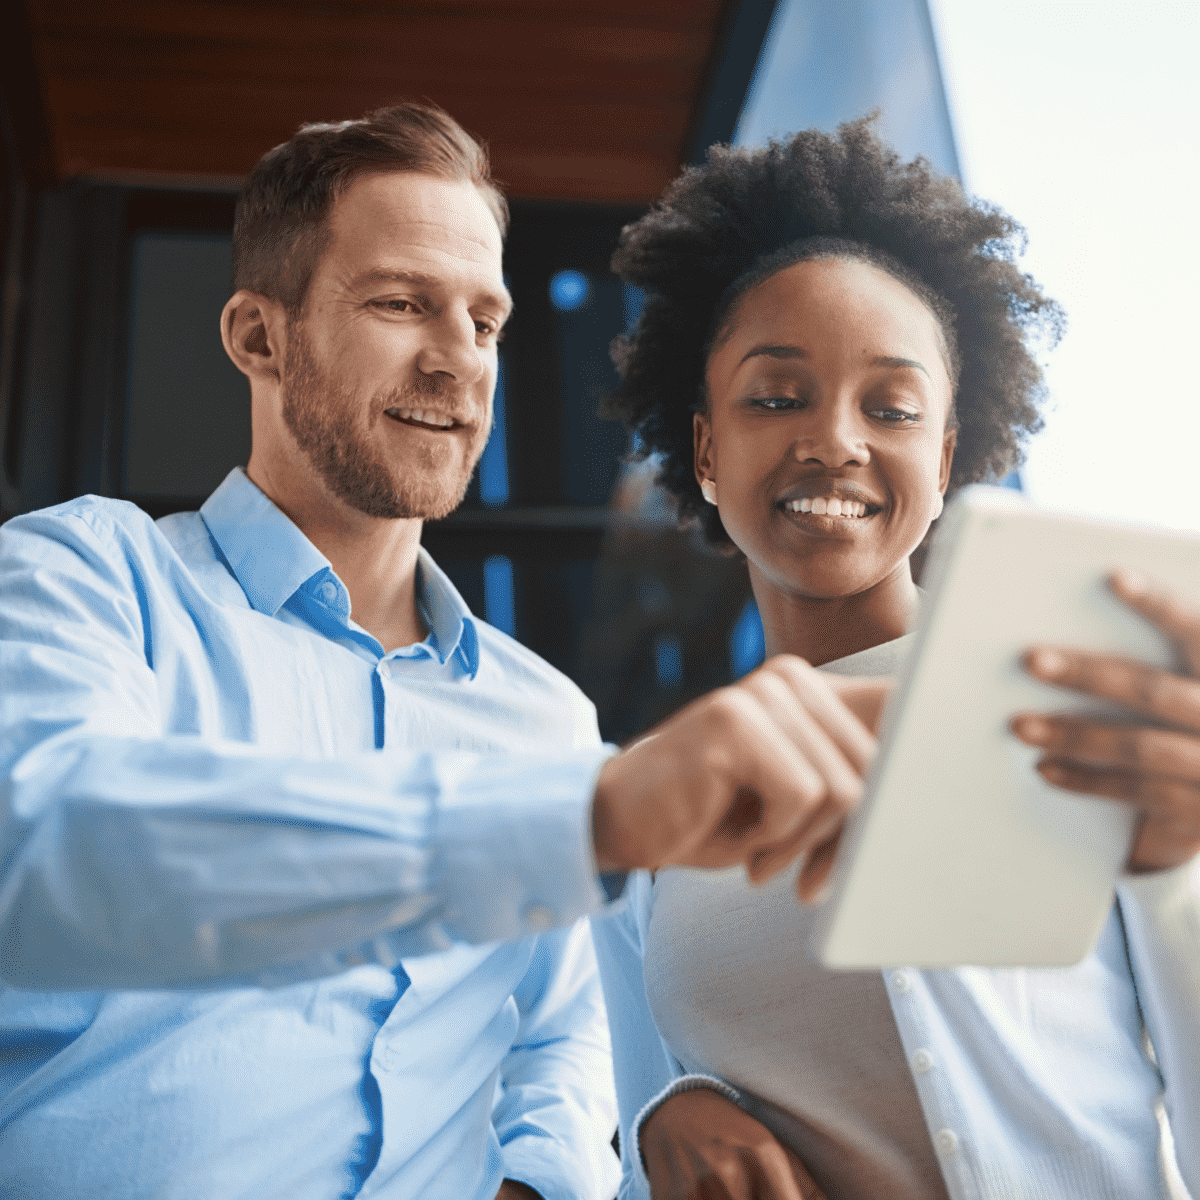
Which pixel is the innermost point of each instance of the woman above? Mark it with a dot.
(832, 341)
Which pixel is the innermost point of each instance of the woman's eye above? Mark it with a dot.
(895, 416)
(775, 403)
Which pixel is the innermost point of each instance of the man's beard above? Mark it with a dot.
(322, 416)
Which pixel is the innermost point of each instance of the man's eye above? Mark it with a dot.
(396, 305)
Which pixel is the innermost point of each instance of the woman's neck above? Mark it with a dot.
(824, 630)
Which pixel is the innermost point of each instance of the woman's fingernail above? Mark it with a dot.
(1052, 772)
(1132, 583)
(1032, 729)
(1048, 662)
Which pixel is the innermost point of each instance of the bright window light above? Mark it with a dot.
(1080, 120)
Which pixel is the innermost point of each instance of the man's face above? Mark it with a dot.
(390, 370)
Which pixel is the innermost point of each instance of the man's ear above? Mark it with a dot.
(254, 333)
(702, 447)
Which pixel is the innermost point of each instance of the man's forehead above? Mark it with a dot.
(404, 209)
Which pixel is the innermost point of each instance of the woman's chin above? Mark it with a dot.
(826, 574)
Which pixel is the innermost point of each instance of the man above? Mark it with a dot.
(272, 797)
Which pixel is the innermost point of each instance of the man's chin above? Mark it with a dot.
(405, 505)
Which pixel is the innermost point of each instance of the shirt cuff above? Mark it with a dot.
(525, 1162)
(515, 858)
(1161, 892)
(685, 1083)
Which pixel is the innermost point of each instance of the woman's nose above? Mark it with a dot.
(451, 348)
(833, 438)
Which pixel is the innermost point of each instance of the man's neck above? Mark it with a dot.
(375, 558)
(379, 569)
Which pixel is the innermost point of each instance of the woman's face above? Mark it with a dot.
(828, 391)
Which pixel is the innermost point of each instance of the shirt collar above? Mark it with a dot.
(266, 552)
(451, 626)
(271, 560)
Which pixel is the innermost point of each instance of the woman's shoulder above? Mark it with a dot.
(884, 659)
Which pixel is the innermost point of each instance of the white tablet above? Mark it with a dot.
(960, 854)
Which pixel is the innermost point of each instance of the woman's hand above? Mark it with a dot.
(700, 1146)
(1152, 764)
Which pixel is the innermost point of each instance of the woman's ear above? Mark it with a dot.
(704, 459)
(949, 441)
(254, 332)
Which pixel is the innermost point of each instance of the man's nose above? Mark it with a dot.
(450, 348)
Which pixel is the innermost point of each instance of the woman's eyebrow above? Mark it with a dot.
(786, 351)
(887, 360)
(775, 351)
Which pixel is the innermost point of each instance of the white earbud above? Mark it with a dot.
(709, 488)
(938, 504)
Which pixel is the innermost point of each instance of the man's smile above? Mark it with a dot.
(423, 418)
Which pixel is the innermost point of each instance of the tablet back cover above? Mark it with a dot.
(961, 855)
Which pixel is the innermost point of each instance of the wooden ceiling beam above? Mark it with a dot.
(587, 101)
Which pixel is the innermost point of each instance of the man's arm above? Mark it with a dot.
(134, 858)
(556, 1111)
(130, 858)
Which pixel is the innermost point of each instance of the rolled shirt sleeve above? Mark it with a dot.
(1161, 913)
(556, 1088)
(136, 857)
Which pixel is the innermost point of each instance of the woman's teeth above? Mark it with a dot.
(828, 508)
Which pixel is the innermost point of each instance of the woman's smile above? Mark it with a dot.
(828, 506)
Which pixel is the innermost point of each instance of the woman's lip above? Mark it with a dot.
(824, 520)
(788, 506)
(829, 489)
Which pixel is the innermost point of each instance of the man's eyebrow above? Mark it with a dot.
(502, 299)
(774, 352)
(888, 360)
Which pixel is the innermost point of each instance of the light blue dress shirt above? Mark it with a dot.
(253, 872)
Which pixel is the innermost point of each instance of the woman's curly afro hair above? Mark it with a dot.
(721, 227)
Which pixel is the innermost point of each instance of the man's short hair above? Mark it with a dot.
(280, 227)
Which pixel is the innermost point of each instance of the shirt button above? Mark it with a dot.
(329, 592)
(922, 1062)
(539, 918)
(901, 982)
(946, 1141)
(385, 668)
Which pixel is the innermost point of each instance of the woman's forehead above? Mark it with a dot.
(811, 303)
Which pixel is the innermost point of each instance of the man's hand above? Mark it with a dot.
(755, 773)
(511, 1190)
(699, 1146)
(1154, 764)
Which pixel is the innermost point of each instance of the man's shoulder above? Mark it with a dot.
(104, 515)
(96, 530)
